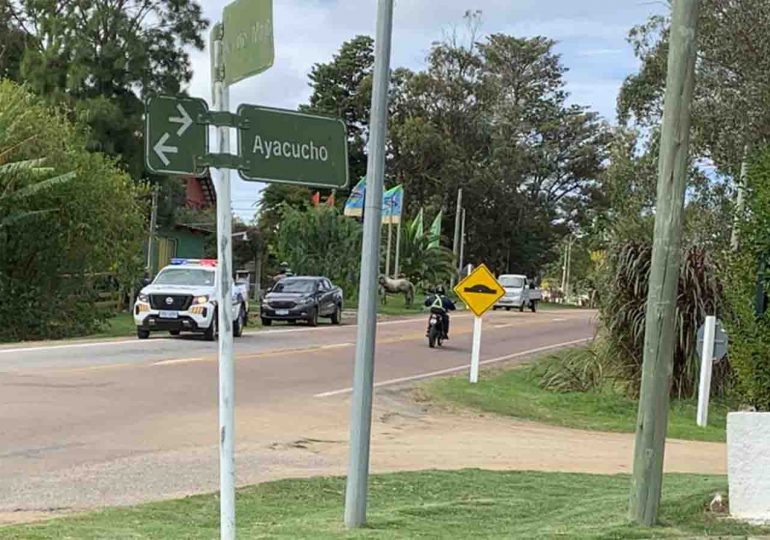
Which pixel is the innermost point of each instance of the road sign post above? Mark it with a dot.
(292, 148)
(221, 176)
(363, 374)
(175, 139)
(480, 291)
(712, 343)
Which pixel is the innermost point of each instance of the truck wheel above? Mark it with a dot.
(174, 332)
(142, 334)
(533, 306)
(313, 320)
(267, 322)
(507, 309)
(239, 323)
(211, 332)
(337, 315)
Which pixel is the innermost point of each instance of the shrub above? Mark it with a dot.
(750, 333)
(623, 305)
(321, 241)
(58, 235)
(574, 370)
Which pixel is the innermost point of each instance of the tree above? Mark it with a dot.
(731, 105)
(342, 88)
(491, 118)
(423, 265)
(72, 221)
(99, 58)
(320, 241)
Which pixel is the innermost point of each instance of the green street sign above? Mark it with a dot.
(292, 148)
(175, 139)
(247, 44)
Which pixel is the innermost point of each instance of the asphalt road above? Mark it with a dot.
(73, 414)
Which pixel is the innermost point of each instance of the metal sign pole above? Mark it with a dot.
(476, 351)
(706, 367)
(221, 179)
(363, 376)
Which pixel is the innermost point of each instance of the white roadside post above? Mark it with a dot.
(476, 352)
(221, 177)
(706, 367)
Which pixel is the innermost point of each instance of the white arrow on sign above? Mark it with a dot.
(161, 149)
(184, 120)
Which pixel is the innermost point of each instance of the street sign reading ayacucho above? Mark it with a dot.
(293, 148)
(174, 139)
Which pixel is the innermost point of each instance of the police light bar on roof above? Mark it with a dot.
(200, 262)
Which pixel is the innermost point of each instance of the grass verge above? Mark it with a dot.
(430, 504)
(515, 392)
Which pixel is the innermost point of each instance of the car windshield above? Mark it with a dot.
(512, 282)
(295, 286)
(185, 276)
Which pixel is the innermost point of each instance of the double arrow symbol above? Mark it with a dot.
(184, 122)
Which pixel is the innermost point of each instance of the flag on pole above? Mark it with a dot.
(331, 200)
(417, 226)
(316, 199)
(435, 232)
(354, 207)
(392, 205)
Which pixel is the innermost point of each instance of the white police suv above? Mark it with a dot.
(182, 298)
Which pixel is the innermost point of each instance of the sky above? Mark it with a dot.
(591, 36)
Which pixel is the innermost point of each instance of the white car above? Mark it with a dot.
(183, 298)
(520, 293)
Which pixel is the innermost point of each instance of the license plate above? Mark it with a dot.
(281, 312)
(169, 315)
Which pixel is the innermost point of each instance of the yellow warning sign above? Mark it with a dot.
(480, 290)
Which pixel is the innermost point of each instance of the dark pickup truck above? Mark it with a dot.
(302, 298)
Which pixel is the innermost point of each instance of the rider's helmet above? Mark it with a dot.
(440, 290)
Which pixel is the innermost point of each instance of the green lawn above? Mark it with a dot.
(515, 392)
(121, 325)
(462, 504)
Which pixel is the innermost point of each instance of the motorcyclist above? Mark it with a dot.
(440, 304)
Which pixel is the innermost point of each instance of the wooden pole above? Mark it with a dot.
(660, 326)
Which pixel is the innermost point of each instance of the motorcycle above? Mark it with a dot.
(435, 331)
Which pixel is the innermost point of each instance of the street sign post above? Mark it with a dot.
(292, 148)
(175, 139)
(248, 39)
(712, 346)
(720, 340)
(479, 291)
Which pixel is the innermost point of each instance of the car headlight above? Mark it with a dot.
(143, 297)
(201, 299)
(306, 301)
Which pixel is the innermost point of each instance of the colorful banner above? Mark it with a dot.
(392, 205)
(354, 207)
(435, 232)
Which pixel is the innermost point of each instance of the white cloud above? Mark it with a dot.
(591, 36)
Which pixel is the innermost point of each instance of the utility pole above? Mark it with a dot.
(734, 237)
(458, 220)
(660, 324)
(356, 488)
(462, 243)
(153, 225)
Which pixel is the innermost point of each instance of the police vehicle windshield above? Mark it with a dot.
(186, 276)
